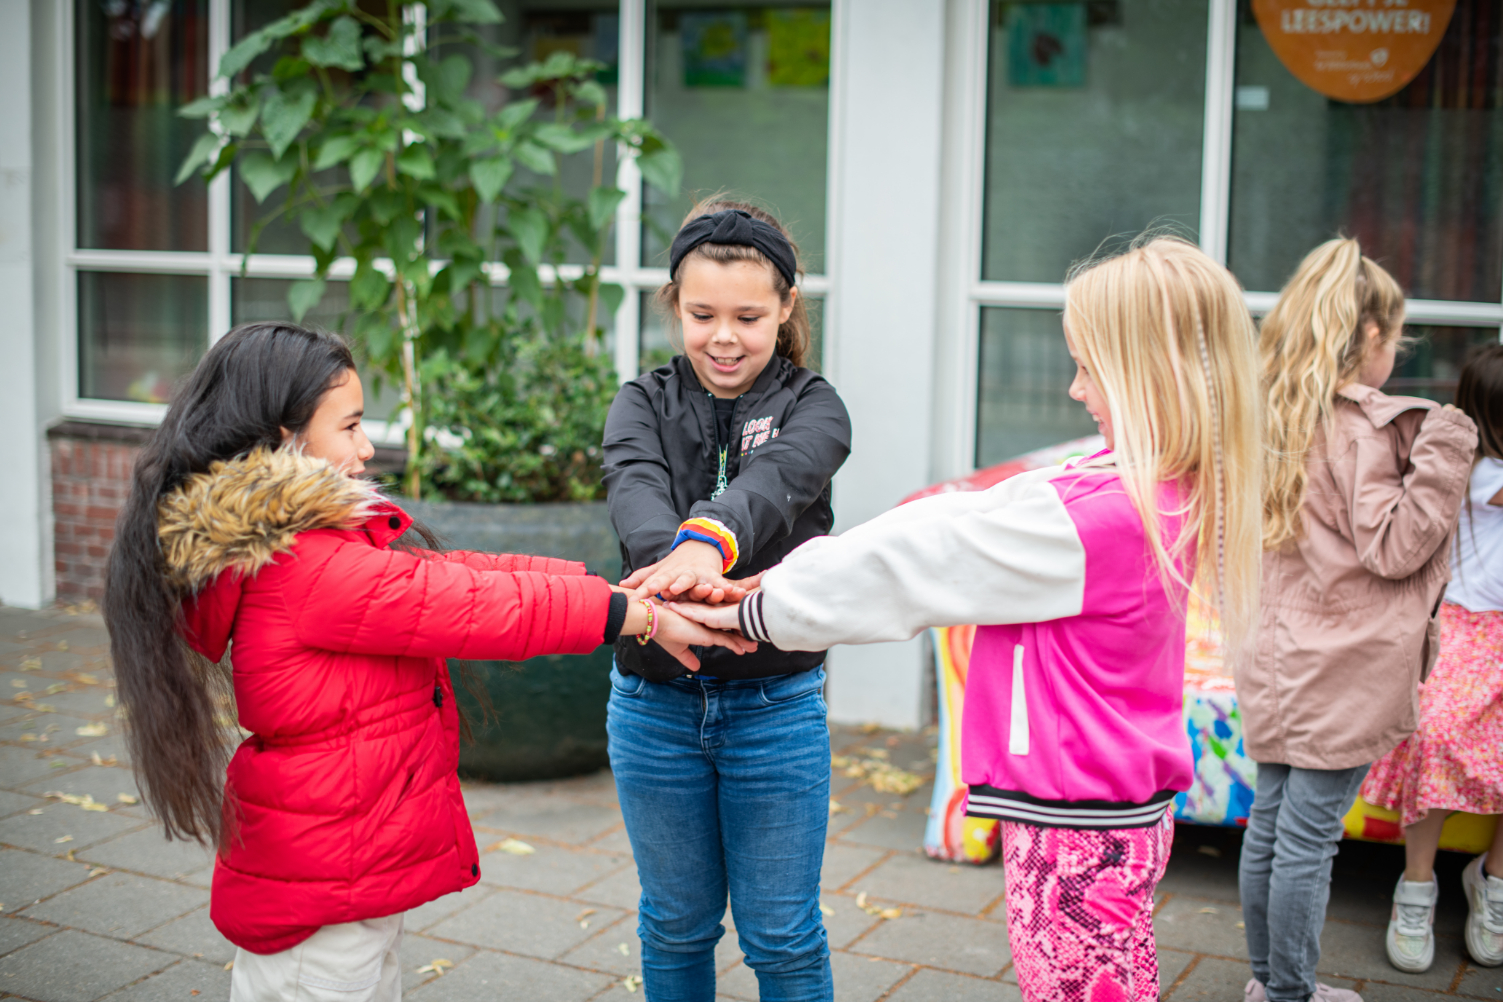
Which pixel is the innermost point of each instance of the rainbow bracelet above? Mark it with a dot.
(708, 530)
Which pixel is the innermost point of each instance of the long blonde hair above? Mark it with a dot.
(1166, 336)
(1312, 344)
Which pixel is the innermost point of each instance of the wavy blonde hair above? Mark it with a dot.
(1167, 338)
(1312, 344)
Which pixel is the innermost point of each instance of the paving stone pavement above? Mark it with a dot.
(95, 904)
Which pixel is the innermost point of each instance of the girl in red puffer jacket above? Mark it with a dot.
(246, 524)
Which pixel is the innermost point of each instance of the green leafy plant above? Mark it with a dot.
(366, 124)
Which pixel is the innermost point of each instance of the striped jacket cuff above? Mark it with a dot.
(753, 626)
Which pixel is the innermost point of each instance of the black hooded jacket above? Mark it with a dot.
(789, 434)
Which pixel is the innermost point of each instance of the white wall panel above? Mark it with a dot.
(888, 85)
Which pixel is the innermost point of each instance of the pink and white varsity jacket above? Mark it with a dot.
(1073, 703)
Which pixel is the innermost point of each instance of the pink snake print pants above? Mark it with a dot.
(1080, 910)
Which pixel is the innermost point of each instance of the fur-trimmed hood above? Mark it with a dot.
(242, 512)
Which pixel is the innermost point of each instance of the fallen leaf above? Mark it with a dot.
(230, 966)
(826, 909)
(631, 983)
(1208, 911)
(92, 731)
(70, 857)
(86, 801)
(836, 807)
(97, 871)
(869, 728)
(44, 707)
(98, 760)
(126, 798)
(1209, 850)
(110, 700)
(85, 678)
(35, 810)
(584, 914)
(62, 645)
(438, 966)
(58, 763)
(623, 949)
(861, 900)
(60, 841)
(31, 664)
(1241, 925)
(585, 924)
(193, 992)
(515, 847)
(18, 683)
(54, 688)
(30, 737)
(891, 913)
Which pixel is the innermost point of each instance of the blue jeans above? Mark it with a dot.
(725, 788)
(1285, 871)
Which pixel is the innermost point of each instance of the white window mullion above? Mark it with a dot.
(1216, 155)
(67, 209)
(631, 88)
(962, 203)
(221, 268)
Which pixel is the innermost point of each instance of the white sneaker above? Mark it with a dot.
(1325, 993)
(1484, 920)
(1411, 934)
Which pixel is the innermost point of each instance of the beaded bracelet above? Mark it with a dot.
(652, 623)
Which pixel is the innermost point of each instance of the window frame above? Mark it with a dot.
(961, 227)
(219, 265)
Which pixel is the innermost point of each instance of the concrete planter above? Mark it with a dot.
(549, 712)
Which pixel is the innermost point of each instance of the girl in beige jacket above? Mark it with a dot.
(1361, 496)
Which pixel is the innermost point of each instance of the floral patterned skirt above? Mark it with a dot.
(1453, 761)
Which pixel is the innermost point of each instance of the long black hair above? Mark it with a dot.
(1479, 395)
(257, 380)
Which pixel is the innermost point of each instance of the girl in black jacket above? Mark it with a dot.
(716, 466)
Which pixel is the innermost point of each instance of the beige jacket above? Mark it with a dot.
(1333, 682)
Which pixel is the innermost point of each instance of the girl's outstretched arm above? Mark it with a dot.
(1008, 555)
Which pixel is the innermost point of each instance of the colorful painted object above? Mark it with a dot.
(1222, 790)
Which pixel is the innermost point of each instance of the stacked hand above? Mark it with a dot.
(705, 610)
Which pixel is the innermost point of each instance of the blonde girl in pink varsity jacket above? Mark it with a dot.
(1078, 576)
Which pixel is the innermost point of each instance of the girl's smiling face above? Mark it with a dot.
(1083, 388)
(334, 432)
(730, 315)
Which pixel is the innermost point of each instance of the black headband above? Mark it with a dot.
(733, 226)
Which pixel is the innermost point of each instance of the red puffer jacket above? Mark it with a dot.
(343, 803)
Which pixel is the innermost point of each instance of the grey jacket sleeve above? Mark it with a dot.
(785, 475)
(637, 478)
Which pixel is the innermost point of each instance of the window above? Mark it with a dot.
(1103, 117)
(1094, 127)
(155, 268)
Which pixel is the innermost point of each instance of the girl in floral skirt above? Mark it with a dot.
(1453, 763)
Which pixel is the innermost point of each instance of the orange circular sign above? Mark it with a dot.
(1357, 51)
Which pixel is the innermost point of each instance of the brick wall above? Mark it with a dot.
(91, 467)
